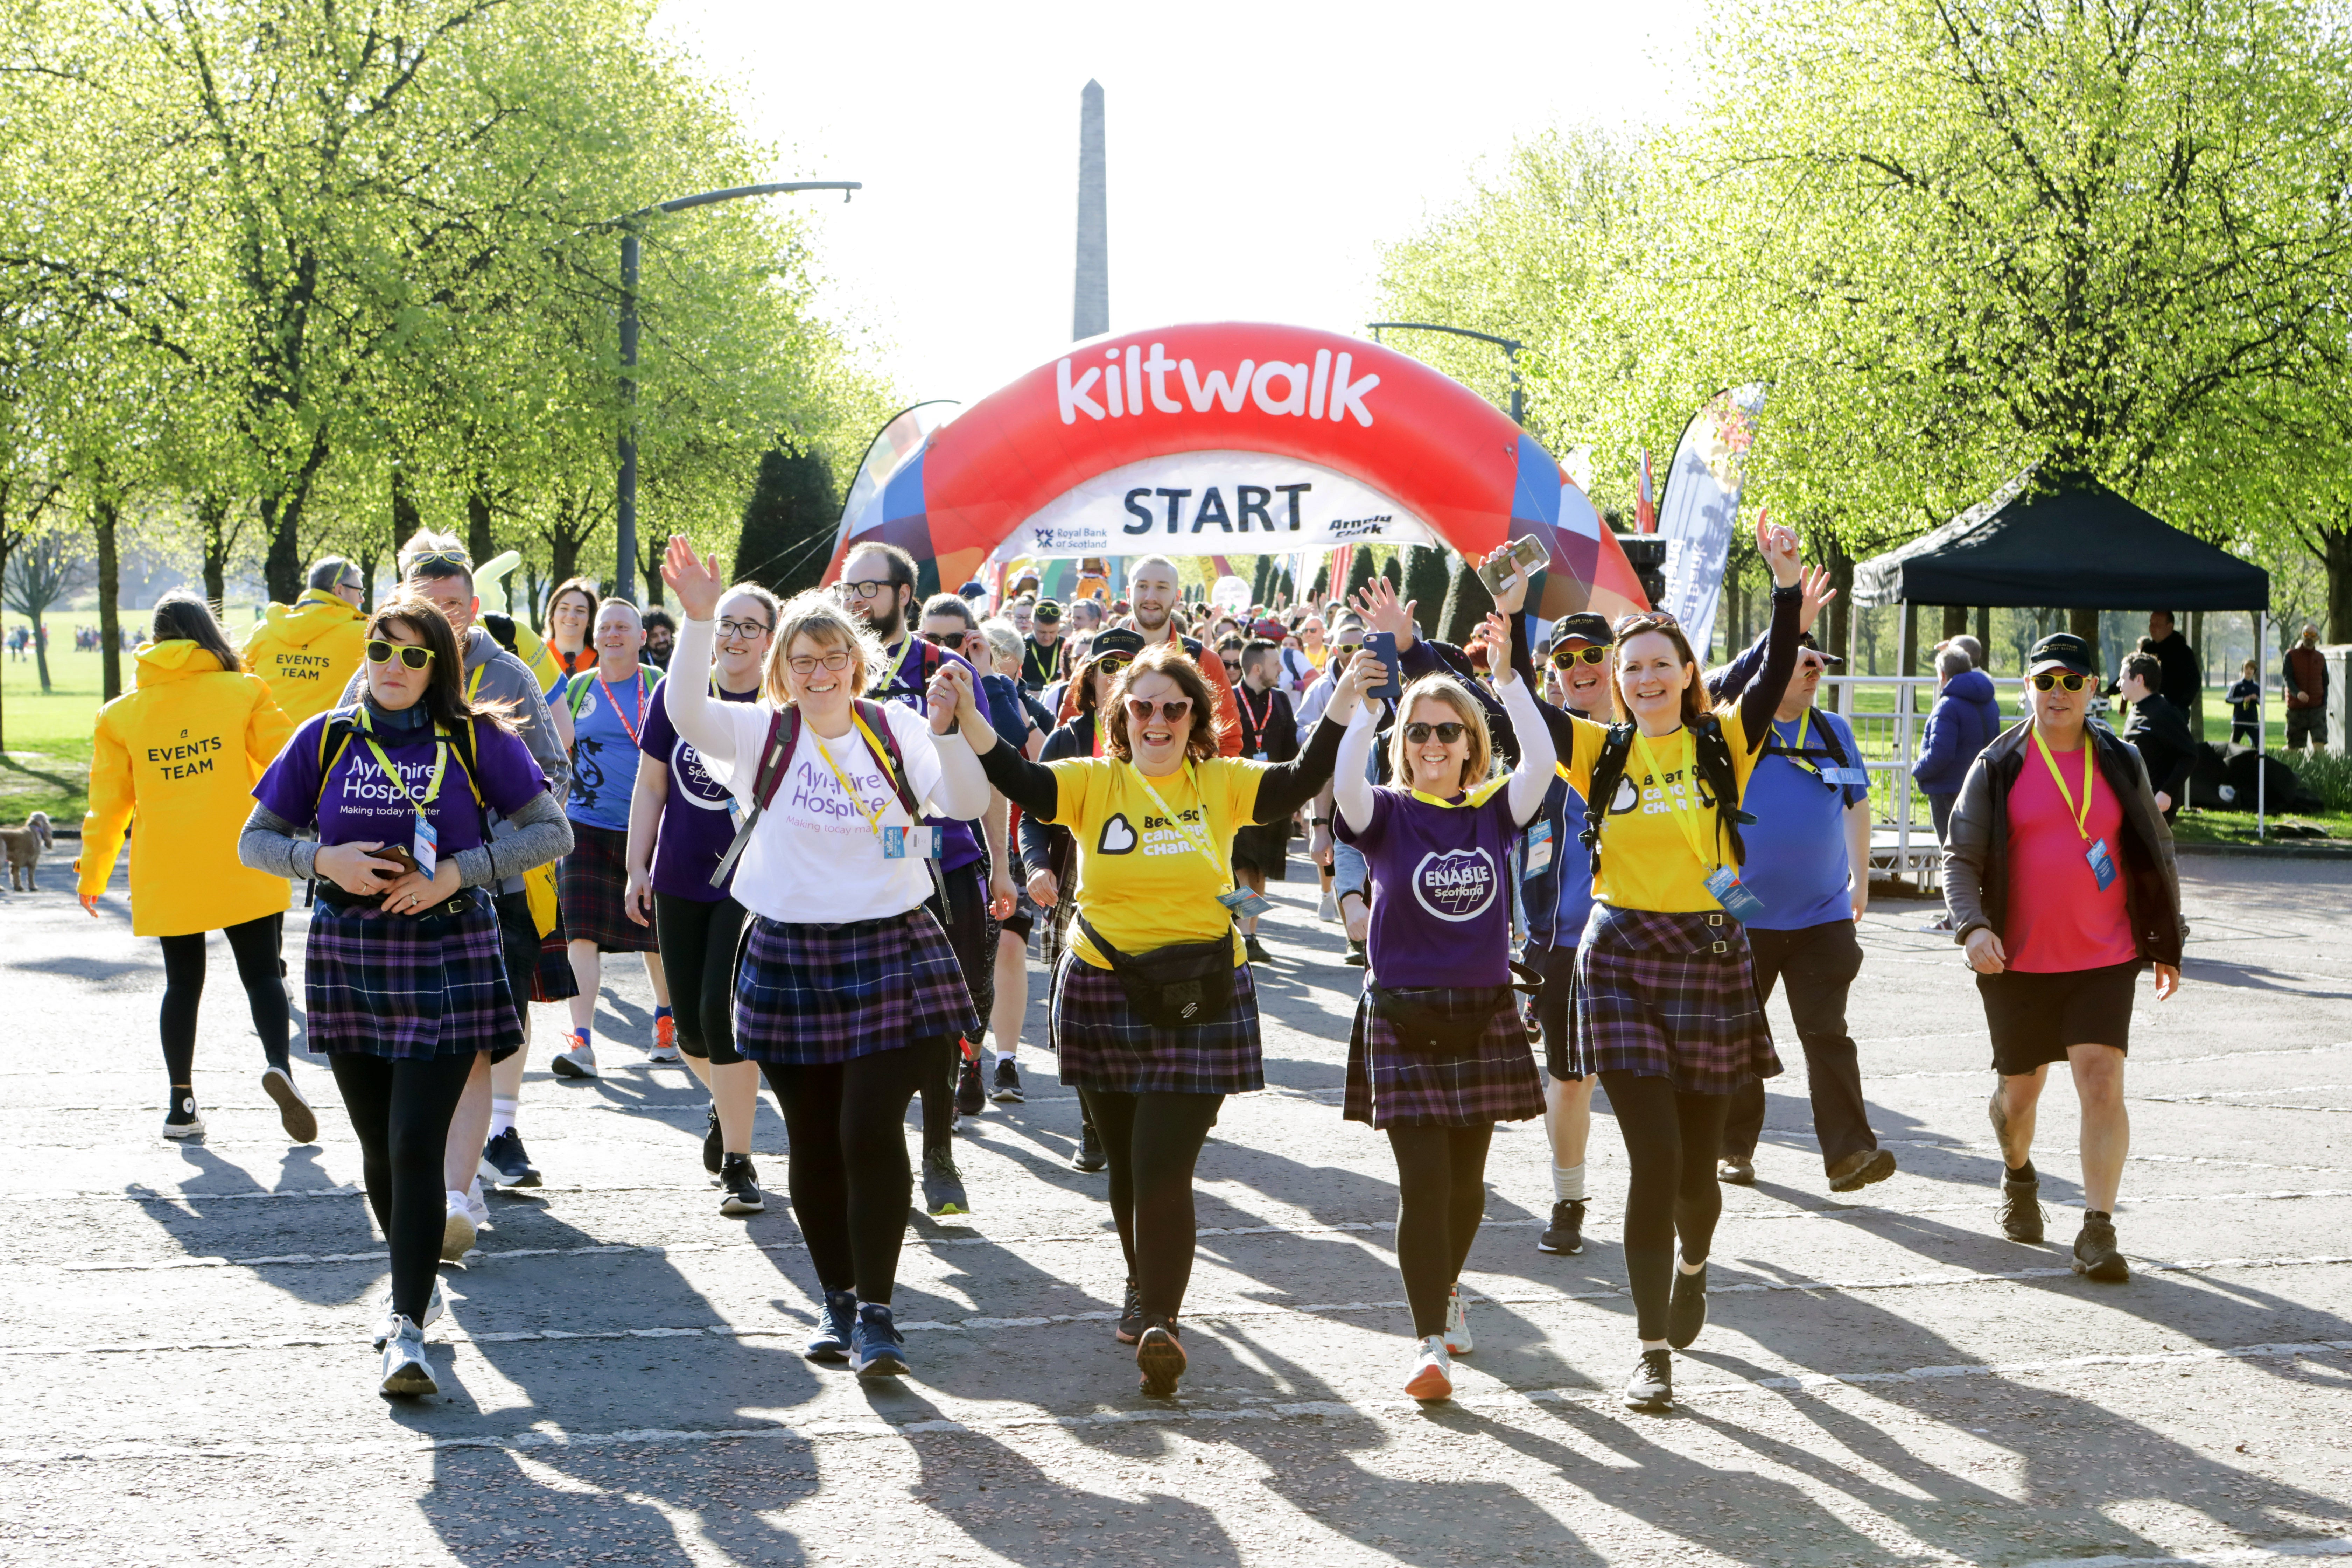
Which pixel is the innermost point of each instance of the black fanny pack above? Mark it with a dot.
(1179, 986)
(1446, 1021)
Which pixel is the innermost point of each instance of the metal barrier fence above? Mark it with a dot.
(1887, 714)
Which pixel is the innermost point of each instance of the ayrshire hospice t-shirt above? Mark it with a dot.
(604, 747)
(1440, 904)
(696, 825)
(359, 804)
(1646, 863)
(1142, 882)
(1796, 852)
(2058, 920)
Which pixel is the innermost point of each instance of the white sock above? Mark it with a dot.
(1008, 1054)
(458, 1199)
(474, 1191)
(502, 1114)
(1567, 1183)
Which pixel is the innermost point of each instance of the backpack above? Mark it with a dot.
(776, 755)
(1833, 749)
(1714, 770)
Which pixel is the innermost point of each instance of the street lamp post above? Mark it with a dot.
(1510, 347)
(631, 226)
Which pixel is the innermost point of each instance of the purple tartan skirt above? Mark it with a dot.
(1671, 997)
(1103, 1045)
(396, 986)
(1390, 1086)
(808, 996)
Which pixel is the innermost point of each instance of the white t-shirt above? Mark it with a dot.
(815, 858)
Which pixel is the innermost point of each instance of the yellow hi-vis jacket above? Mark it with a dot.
(181, 752)
(306, 651)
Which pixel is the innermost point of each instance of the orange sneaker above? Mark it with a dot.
(666, 1038)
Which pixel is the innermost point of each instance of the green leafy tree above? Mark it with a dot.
(788, 524)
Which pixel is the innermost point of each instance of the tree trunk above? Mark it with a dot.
(281, 564)
(477, 522)
(1840, 639)
(1907, 662)
(408, 521)
(2339, 583)
(106, 518)
(562, 559)
(2204, 666)
(41, 651)
(212, 515)
(1956, 621)
(364, 560)
(1984, 633)
(2084, 623)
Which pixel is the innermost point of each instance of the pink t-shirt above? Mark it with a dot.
(2058, 920)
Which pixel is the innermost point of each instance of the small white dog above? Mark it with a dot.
(24, 845)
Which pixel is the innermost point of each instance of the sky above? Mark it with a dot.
(1259, 155)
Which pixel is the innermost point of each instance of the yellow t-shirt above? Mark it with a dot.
(1645, 860)
(1142, 882)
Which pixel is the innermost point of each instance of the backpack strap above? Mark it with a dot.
(501, 630)
(775, 756)
(877, 723)
(1608, 772)
(1717, 770)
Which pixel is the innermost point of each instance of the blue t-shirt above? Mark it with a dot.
(1575, 865)
(1796, 850)
(604, 749)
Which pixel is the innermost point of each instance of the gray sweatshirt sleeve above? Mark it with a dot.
(537, 834)
(270, 843)
(1967, 845)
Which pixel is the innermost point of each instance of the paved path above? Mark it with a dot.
(1884, 1381)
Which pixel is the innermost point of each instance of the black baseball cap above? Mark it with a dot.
(1585, 626)
(1116, 640)
(1046, 610)
(2060, 650)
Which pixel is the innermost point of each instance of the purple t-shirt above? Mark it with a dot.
(959, 844)
(696, 826)
(359, 804)
(1441, 895)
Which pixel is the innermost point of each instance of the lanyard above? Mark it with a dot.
(1687, 821)
(1185, 829)
(873, 818)
(392, 774)
(1254, 724)
(638, 728)
(2082, 814)
(1796, 752)
(1478, 796)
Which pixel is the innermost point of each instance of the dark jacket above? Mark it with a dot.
(2161, 734)
(1976, 852)
(1966, 718)
(1044, 845)
(2184, 677)
(2305, 673)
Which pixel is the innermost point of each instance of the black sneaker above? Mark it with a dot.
(504, 1164)
(1652, 1386)
(1566, 1232)
(944, 1194)
(1355, 954)
(1007, 1089)
(2021, 1209)
(2097, 1256)
(714, 1147)
(1686, 1308)
(831, 1341)
(1255, 950)
(1130, 1316)
(741, 1180)
(1091, 1156)
(970, 1097)
(181, 1120)
(1159, 1357)
(1861, 1168)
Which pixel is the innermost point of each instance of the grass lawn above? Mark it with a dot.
(46, 765)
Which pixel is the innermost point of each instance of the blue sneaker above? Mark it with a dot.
(831, 1341)
(877, 1348)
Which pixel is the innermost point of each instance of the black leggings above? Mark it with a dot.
(698, 953)
(1671, 1141)
(969, 933)
(1153, 1141)
(846, 1163)
(255, 945)
(400, 1112)
(1441, 1198)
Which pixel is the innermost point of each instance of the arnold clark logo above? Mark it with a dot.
(1118, 388)
(1360, 527)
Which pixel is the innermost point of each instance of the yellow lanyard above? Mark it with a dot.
(1479, 796)
(1687, 821)
(1796, 755)
(2081, 814)
(873, 818)
(1225, 877)
(392, 774)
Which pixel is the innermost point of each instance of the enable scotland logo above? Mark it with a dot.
(1457, 885)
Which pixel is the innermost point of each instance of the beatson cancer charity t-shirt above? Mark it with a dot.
(817, 858)
(1144, 882)
(1440, 904)
(359, 804)
(696, 825)
(1645, 861)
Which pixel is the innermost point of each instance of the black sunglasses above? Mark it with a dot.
(1415, 734)
(413, 655)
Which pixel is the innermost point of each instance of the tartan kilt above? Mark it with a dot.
(594, 877)
(1656, 999)
(405, 987)
(554, 980)
(1390, 1086)
(1103, 1045)
(1266, 848)
(808, 996)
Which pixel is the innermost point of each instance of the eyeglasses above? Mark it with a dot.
(864, 589)
(1139, 710)
(727, 628)
(1569, 657)
(2070, 680)
(380, 651)
(1415, 734)
(1112, 663)
(805, 664)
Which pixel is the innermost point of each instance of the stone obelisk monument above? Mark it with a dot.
(1090, 312)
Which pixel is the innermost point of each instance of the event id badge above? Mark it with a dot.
(1737, 902)
(1858, 777)
(904, 843)
(1242, 902)
(427, 851)
(2103, 865)
(1538, 848)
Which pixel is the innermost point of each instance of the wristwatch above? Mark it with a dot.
(1319, 821)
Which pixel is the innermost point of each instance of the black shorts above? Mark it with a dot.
(519, 934)
(2034, 1017)
(1263, 849)
(1024, 917)
(1558, 967)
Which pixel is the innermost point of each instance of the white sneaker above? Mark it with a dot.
(458, 1229)
(580, 1061)
(1458, 1325)
(391, 1323)
(1329, 910)
(407, 1374)
(1433, 1371)
(476, 1209)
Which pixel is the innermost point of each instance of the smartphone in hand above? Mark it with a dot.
(1527, 555)
(1382, 646)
